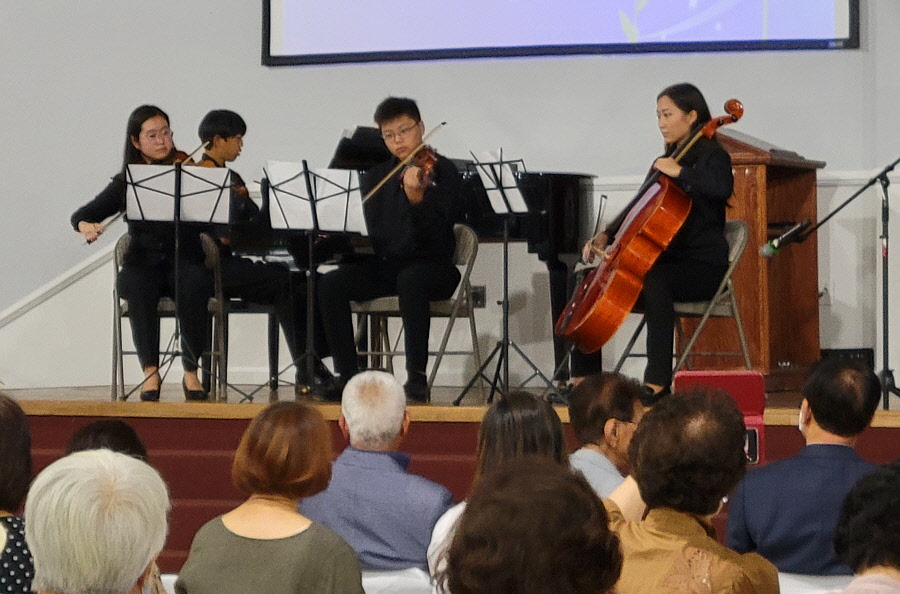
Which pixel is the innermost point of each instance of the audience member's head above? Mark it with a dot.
(516, 425)
(534, 526)
(110, 434)
(840, 397)
(15, 455)
(688, 451)
(373, 411)
(604, 410)
(868, 531)
(96, 521)
(285, 452)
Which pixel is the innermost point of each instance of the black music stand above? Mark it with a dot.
(313, 202)
(176, 194)
(507, 201)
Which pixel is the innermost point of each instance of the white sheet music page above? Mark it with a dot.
(495, 176)
(205, 194)
(150, 192)
(289, 201)
(339, 201)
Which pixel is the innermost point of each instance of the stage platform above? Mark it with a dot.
(192, 444)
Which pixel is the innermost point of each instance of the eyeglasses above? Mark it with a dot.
(164, 134)
(401, 133)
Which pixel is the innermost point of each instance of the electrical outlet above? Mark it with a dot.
(479, 296)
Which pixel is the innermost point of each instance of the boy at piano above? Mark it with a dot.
(265, 283)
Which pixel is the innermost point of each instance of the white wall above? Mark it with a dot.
(74, 71)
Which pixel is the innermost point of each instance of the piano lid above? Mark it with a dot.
(360, 149)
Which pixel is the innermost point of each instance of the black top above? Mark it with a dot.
(401, 231)
(707, 179)
(243, 210)
(152, 243)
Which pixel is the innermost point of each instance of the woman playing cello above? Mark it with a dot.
(148, 272)
(692, 266)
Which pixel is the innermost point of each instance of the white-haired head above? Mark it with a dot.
(374, 410)
(95, 520)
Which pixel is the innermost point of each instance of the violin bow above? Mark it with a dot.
(403, 162)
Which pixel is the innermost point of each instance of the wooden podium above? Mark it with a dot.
(777, 297)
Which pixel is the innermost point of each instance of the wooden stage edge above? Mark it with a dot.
(418, 413)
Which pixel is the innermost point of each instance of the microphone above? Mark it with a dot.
(792, 235)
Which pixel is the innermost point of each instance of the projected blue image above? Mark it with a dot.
(473, 28)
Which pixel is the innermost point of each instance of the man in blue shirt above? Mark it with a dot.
(787, 511)
(385, 513)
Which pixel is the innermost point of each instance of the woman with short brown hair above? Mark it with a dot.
(265, 544)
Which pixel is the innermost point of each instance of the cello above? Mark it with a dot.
(608, 293)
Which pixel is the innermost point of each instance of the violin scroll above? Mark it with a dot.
(735, 109)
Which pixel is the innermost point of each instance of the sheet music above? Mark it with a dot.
(289, 203)
(206, 194)
(496, 176)
(338, 200)
(150, 194)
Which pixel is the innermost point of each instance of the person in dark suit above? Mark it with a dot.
(410, 222)
(787, 511)
(692, 266)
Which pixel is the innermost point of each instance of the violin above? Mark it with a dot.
(608, 293)
(425, 160)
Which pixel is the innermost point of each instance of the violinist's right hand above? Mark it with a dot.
(596, 245)
(90, 231)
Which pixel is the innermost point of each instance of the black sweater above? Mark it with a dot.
(401, 231)
(707, 179)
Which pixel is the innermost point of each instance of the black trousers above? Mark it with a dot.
(666, 283)
(415, 283)
(270, 283)
(143, 286)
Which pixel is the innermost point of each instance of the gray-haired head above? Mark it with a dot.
(95, 521)
(374, 408)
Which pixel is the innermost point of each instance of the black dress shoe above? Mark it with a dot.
(416, 388)
(330, 390)
(194, 395)
(150, 395)
(322, 378)
(649, 397)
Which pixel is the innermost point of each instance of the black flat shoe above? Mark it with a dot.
(150, 395)
(194, 395)
(649, 398)
(416, 389)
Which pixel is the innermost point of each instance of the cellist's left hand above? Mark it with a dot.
(667, 165)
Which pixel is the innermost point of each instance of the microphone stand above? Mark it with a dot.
(886, 375)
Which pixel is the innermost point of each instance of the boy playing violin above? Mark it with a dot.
(409, 221)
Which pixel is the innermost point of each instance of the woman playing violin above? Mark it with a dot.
(148, 272)
(693, 265)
